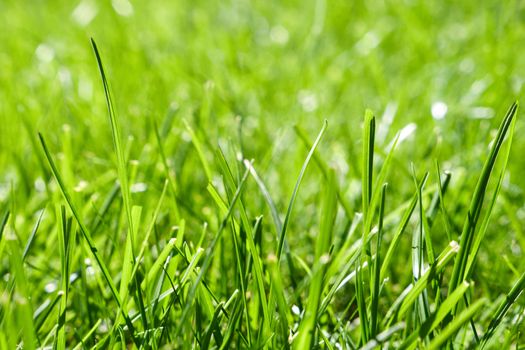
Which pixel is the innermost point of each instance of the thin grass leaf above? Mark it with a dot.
(433, 321)
(240, 262)
(324, 239)
(161, 259)
(86, 234)
(502, 310)
(171, 176)
(3, 224)
(117, 140)
(42, 313)
(200, 152)
(276, 220)
(442, 188)
(296, 190)
(484, 225)
(419, 239)
(381, 179)
(405, 301)
(376, 278)
(150, 229)
(366, 195)
(278, 298)
(367, 175)
(32, 235)
(324, 168)
(249, 231)
(447, 333)
(21, 299)
(66, 244)
(128, 260)
(364, 322)
(129, 255)
(214, 326)
(209, 254)
(469, 229)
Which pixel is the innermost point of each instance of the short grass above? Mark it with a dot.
(236, 174)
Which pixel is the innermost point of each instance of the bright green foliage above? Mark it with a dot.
(261, 175)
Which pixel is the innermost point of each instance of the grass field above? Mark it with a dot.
(262, 174)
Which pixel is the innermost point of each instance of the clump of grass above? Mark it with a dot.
(220, 282)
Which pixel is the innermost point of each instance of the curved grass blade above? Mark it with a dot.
(502, 310)
(32, 236)
(469, 229)
(296, 189)
(117, 141)
(87, 236)
(448, 332)
(484, 225)
(324, 168)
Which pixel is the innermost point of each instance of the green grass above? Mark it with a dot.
(300, 174)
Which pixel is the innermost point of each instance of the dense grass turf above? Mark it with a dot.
(235, 174)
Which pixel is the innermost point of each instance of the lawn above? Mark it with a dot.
(262, 174)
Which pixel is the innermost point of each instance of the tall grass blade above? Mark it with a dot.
(117, 140)
(66, 244)
(324, 239)
(469, 229)
(367, 175)
(502, 310)
(376, 278)
(87, 235)
(448, 332)
(296, 190)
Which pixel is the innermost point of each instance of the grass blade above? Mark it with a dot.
(502, 310)
(117, 141)
(324, 168)
(367, 175)
(32, 236)
(474, 212)
(323, 242)
(374, 312)
(66, 244)
(296, 190)
(209, 254)
(86, 234)
(456, 324)
(411, 293)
